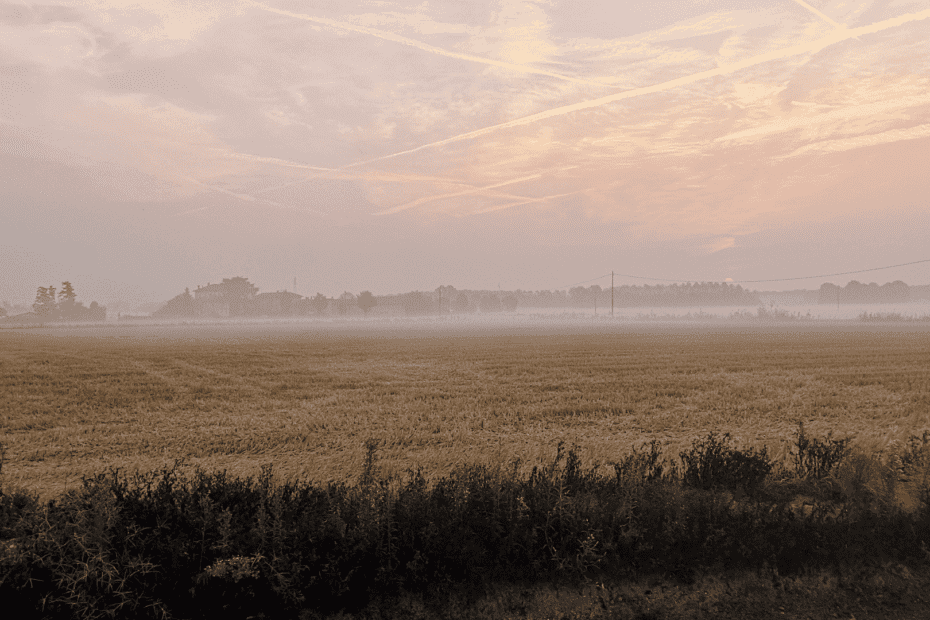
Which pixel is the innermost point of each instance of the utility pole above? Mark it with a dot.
(611, 293)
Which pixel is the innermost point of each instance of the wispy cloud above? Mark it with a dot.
(241, 196)
(857, 142)
(527, 201)
(475, 190)
(875, 110)
(834, 37)
(690, 125)
(389, 36)
(719, 244)
(820, 14)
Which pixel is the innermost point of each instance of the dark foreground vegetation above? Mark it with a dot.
(160, 545)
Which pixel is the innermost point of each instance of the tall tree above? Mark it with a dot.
(66, 299)
(45, 301)
(67, 294)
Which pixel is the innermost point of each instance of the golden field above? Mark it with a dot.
(306, 396)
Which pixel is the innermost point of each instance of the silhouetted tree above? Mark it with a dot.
(66, 301)
(417, 302)
(510, 303)
(460, 303)
(96, 312)
(856, 292)
(67, 294)
(366, 301)
(345, 302)
(490, 303)
(45, 305)
(181, 306)
(319, 304)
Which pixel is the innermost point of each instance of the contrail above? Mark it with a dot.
(334, 173)
(246, 197)
(420, 201)
(527, 201)
(389, 36)
(819, 14)
(871, 110)
(833, 37)
(846, 144)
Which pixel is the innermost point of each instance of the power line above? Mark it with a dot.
(844, 273)
(826, 275)
(585, 282)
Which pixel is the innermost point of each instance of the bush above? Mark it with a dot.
(712, 463)
(866, 482)
(156, 545)
(916, 454)
(815, 458)
(642, 465)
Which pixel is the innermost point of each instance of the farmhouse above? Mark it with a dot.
(232, 297)
(281, 303)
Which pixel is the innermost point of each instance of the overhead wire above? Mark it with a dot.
(683, 281)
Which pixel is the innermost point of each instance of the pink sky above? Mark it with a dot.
(395, 146)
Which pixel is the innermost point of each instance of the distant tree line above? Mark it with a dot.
(858, 293)
(690, 294)
(237, 297)
(53, 305)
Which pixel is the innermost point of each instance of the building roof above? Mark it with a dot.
(235, 286)
(282, 294)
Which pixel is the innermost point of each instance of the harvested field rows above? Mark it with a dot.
(307, 397)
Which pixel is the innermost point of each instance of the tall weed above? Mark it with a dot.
(814, 457)
(712, 463)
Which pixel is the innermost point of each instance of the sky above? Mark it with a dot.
(394, 146)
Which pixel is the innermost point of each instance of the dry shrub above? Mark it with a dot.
(866, 481)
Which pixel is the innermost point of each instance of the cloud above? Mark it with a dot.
(820, 14)
(713, 120)
(812, 120)
(719, 244)
(475, 190)
(787, 52)
(520, 203)
(388, 36)
(858, 142)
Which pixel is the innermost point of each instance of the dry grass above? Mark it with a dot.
(306, 396)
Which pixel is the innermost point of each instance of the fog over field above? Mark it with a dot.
(465, 308)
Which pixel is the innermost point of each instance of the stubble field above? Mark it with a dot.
(306, 397)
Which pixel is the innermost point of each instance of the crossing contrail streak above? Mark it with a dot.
(819, 14)
(337, 173)
(835, 36)
(389, 36)
(528, 201)
(240, 196)
(420, 201)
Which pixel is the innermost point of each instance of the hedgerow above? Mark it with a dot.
(162, 545)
